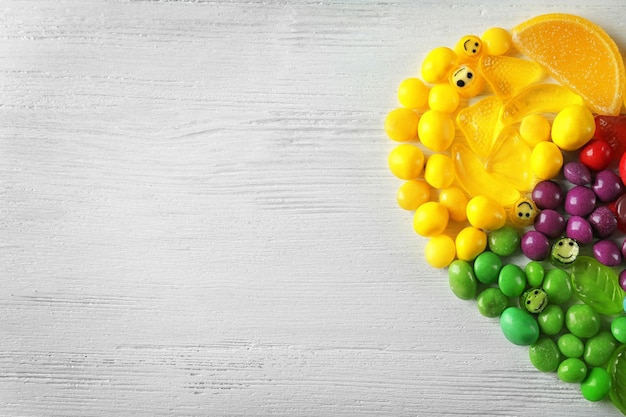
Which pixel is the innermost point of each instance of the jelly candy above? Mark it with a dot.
(510, 150)
(467, 81)
(534, 300)
(538, 98)
(577, 53)
(564, 251)
(469, 48)
(617, 371)
(597, 285)
(479, 124)
(506, 75)
(523, 212)
(612, 129)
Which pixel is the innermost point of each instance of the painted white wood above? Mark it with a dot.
(196, 217)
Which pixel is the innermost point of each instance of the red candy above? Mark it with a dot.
(612, 129)
(622, 168)
(596, 155)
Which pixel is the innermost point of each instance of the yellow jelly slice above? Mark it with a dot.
(506, 75)
(538, 98)
(479, 124)
(509, 161)
(475, 180)
(577, 53)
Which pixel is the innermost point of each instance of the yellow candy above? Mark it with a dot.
(467, 81)
(440, 251)
(510, 150)
(496, 41)
(479, 124)
(523, 212)
(485, 213)
(413, 194)
(430, 219)
(534, 129)
(406, 161)
(573, 127)
(401, 124)
(454, 199)
(470, 242)
(546, 160)
(506, 75)
(468, 48)
(436, 130)
(439, 171)
(443, 97)
(438, 64)
(413, 93)
(538, 98)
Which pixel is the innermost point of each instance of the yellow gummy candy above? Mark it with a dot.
(506, 75)
(538, 98)
(509, 160)
(479, 124)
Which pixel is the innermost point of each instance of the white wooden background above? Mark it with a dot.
(197, 219)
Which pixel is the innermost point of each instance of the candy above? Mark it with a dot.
(439, 171)
(468, 48)
(535, 245)
(413, 194)
(622, 168)
(607, 186)
(430, 219)
(436, 130)
(485, 213)
(487, 267)
(496, 41)
(519, 326)
(443, 98)
(607, 252)
(596, 155)
(462, 280)
(509, 150)
(534, 300)
(564, 252)
(440, 251)
(551, 223)
(413, 93)
(573, 127)
(479, 124)
(596, 285)
(538, 98)
(504, 241)
(551, 320)
(467, 81)
(557, 286)
(512, 280)
(582, 321)
(580, 201)
(579, 229)
(406, 161)
(535, 128)
(454, 199)
(612, 130)
(603, 222)
(491, 302)
(534, 273)
(544, 355)
(570, 48)
(618, 329)
(572, 370)
(599, 349)
(506, 75)
(617, 371)
(571, 346)
(596, 385)
(546, 160)
(523, 212)
(548, 195)
(620, 211)
(622, 276)
(401, 124)
(470, 242)
(577, 173)
(438, 64)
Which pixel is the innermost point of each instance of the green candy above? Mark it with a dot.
(504, 241)
(512, 280)
(596, 385)
(487, 266)
(544, 355)
(582, 320)
(617, 371)
(462, 279)
(551, 320)
(618, 328)
(597, 285)
(534, 273)
(572, 370)
(557, 285)
(491, 302)
(571, 346)
(519, 326)
(599, 348)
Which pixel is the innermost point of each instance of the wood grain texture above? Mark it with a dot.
(196, 217)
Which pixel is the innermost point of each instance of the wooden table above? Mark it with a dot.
(197, 218)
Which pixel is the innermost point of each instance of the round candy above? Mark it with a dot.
(548, 195)
(620, 212)
(579, 229)
(443, 97)
(550, 222)
(487, 267)
(622, 168)
(512, 280)
(440, 251)
(534, 273)
(596, 385)
(572, 370)
(534, 300)
(571, 346)
(607, 252)
(401, 124)
(439, 171)
(546, 160)
(580, 201)
(468, 48)
(577, 173)
(470, 242)
(519, 326)
(436, 130)
(573, 127)
(491, 302)
(622, 275)
(485, 213)
(618, 329)
(406, 161)
(603, 222)
(430, 219)
(599, 348)
(596, 155)
(534, 128)
(523, 212)
(504, 241)
(413, 94)
(544, 355)
(413, 194)
(557, 286)
(496, 41)
(462, 280)
(607, 186)
(564, 251)
(438, 64)
(454, 199)
(535, 245)
(551, 320)
(582, 320)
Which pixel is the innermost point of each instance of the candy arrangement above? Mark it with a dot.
(512, 158)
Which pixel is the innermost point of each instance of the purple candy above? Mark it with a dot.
(579, 229)
(580, 201)
(550, 222)
(603, 222)
(624, 250)
(577, 173)
(547, 195)
(535, 245)
(622, 279)
(607, 253)
(607, 186)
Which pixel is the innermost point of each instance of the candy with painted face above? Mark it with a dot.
(467, 81)
(523, 212)
(468, 48)
(564, 251)
(534, 300)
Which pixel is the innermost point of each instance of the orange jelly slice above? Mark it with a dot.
(577, 53)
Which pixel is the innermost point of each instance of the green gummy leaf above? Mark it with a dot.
(597, 286)
(617, 371)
